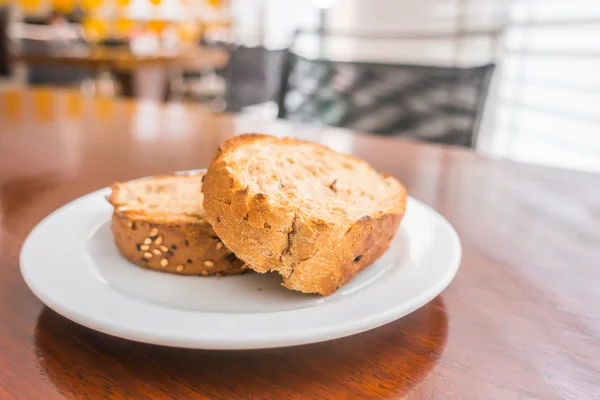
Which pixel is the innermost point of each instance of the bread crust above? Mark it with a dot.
(312, 255)
(178, 247)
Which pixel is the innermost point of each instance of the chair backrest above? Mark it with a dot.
(252, 75)
(4, 42)
(437, 104)
(53, 75)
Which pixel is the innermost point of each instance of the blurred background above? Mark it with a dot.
(515, 79)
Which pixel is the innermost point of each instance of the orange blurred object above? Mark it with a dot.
(123, 27)
(64, 6)
(156, 26)
(74, 104)
(30, 5)
(11, 104)
(190, 31)
(43, 104)
(91, 4)
(94, 28)
(103, 107)
(216, 3)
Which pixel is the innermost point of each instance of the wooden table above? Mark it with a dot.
(134, 71)
(520, 321)
(122, 59)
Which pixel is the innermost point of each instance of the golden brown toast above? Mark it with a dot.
(159, 223)
(315, 216)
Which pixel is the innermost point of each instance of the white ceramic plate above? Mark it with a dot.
(71, 263)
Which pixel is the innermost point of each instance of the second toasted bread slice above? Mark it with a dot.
(315, 216)
(159, 223)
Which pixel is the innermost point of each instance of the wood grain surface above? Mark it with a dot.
(520, 321)
(194, 58)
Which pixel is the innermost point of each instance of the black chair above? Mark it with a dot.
(4, 43)
(435, 104)
(252, 76)
(64, 76)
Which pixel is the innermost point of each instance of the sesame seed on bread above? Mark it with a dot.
(159, 223)
(315, 216)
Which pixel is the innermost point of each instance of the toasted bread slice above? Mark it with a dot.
(159, 223)
(315, 216)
